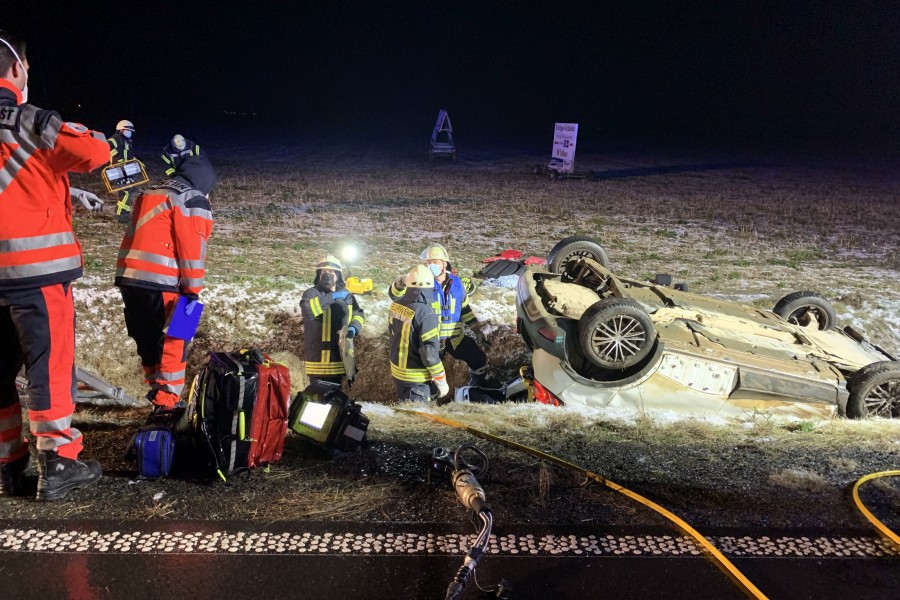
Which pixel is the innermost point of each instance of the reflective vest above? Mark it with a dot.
(414, 330)
(164, 248)
(451, 303)
(323, 319)
(37, 150)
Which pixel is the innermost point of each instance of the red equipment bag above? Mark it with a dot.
(270, 414)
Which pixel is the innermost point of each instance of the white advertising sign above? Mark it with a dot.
(564, 137)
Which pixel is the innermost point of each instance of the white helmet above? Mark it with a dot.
(420, 277)
(124, 125)
(178, 142)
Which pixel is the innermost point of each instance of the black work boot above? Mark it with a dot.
(11, 476)
(57, 476)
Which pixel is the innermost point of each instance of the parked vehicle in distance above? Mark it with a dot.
(603, 340)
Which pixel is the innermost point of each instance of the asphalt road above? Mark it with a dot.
(87, 560)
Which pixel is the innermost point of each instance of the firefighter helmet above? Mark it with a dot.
(420, 277)
(178, 142)
(124, 125)
(435, 252)
(330, 262)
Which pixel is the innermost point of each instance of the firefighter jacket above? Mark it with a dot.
(451, 302)
(323, 319)
(119, 148)
(37, 149)
(173, 157)
(164, 248)
(414, 329)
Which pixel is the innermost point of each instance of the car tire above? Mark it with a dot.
(799, 308)
(577, 246)
(616, 333)
(875, 391)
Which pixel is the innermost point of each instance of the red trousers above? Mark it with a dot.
(163, 357)
(37, 330)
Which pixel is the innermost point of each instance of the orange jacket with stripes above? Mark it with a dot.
(164, 248)
(37, 150)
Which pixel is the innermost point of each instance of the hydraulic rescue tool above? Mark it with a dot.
(471, 495)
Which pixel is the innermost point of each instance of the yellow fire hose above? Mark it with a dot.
(717, 557)
(881, 527)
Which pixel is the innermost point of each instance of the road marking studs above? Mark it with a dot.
(347, 543)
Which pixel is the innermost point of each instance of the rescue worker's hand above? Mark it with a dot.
(442, 387)
(352, 332)
(400, 283)
(190, 307)
(340, 294)
(90, 201)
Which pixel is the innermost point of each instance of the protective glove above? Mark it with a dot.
(89, 201)
(340, 294)
(442, 387)
(400, 283)
(190, 307)
(352, 332)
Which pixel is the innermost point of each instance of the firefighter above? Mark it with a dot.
(176, 151)
(120, 150)
(451, 303)
(414, 330)
(325, 307)
(162, 257)
(39, 260)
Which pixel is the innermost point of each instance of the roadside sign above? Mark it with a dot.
(564, 137)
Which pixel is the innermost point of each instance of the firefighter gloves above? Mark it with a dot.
(442, 387)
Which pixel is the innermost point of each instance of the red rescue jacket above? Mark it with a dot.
(37, 150)
(164, 248)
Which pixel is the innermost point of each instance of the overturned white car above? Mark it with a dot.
(601, 340)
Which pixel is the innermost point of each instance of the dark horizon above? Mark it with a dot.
(794, 76)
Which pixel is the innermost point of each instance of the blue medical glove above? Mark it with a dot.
(340, 294)
(352, 332)
(190, 307)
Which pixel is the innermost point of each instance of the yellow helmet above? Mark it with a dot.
(330, 261)
(420, 277)
(435, 252)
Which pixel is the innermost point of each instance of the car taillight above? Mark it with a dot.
(550, 334)
(543, 395)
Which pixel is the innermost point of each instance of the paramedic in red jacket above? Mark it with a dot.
(162, 257)
(39, 260)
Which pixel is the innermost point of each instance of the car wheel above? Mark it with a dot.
(875, 391)
(616, 333)
(807, 309)
(554, 174)
(573, 248)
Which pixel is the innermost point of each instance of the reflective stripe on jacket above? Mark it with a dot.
(119, 148)
(172, 157)
(323, 319)
(37, 150)
(164, 248)
(414, 329)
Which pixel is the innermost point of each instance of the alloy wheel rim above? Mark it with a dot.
(619, 338)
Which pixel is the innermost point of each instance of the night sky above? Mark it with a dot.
(781, 75)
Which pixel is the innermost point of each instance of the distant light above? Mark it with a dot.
(349, 253)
